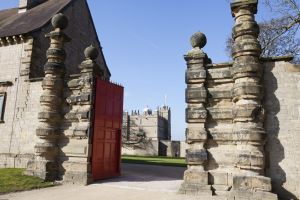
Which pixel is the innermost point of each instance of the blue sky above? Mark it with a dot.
(144, 42)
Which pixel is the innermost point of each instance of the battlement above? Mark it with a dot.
(159, 111)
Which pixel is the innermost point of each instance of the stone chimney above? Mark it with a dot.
(25, 5)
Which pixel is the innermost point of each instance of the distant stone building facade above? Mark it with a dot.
(148, 133)
(47, 88)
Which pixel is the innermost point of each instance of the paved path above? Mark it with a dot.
(138, 182)
(148, 177)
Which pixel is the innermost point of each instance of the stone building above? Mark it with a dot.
(47, 109)
(148, 133)
(242, 118)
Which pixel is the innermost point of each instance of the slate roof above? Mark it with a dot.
(14, 23)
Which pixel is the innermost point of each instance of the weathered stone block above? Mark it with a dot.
(261, 183)
(196, 156)
(262, 195)
(77, 115)
(250, 160)
(195, 135)
(222, 73)
(196, 114)
(195, 190)
(195, 94)
(251, 183)
(24, 72)
(193, 176)
(221, 134)
(243, 69)
(46, 148)
(43, 169)
(246, 88)
(248, 134)
(247, 27)
(75, 149)
(251, 46)
(50, 115)
(73, 177)
(54, 83)
(74, 83)
(75, 99)
(81, 131)
(220, 113)
(195, 75)
(48, 132)
(247, 112)
(53, 99)
(218, 178)
(219, 93)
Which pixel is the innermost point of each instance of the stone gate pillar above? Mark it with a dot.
(195, 177)
(249, 181)
(76, 148)
(46, 164)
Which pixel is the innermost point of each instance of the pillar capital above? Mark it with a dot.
(89, 65)
(238, 4)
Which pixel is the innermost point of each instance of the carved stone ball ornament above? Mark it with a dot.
(59, 21)
(198, 39)
(91, 52)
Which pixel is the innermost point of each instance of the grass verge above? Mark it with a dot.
(13, 180)
(154, 160)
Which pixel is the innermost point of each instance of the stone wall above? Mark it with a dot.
(22, 105)
(225, 115)
(154, 148)
(282, 123)
(10, 57)
(281, 82)
(21, 149)
(150, 148)
(169, 148)
(76, 143)
(183, 148)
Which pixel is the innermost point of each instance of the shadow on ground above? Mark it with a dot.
(147, 177)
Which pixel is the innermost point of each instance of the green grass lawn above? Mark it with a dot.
(154, 160)
(13, 180)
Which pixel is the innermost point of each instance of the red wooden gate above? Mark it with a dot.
(106, 155)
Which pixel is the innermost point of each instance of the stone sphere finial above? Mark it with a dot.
(91, 52)
(198, 39)
(59, 21)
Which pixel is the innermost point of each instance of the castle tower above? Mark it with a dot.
(126, 126)
(165, 113)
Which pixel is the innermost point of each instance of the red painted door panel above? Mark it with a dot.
(106, 156)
